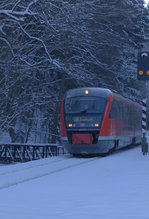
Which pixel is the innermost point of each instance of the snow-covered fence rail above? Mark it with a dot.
(26, 152)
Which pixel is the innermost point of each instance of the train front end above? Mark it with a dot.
(82, 114)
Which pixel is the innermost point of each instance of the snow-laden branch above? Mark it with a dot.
(30, 4)
(34, 64)
(19, 15)
(1, 29)
(17, 3)
(33, 38)
(38, 39)
(10, 14)
(27, 8)
(50, 25)
(8, 44)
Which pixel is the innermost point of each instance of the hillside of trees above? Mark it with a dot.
(50, 46)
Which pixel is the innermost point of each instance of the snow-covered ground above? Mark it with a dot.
(112, 187)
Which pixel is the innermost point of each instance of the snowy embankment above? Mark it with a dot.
(112, 187)
(20, 173)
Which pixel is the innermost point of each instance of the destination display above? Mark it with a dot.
(83, 121)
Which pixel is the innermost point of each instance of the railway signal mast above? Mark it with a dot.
(143, 74)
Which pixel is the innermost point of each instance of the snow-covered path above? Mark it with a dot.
(21, 173)
(113, 187)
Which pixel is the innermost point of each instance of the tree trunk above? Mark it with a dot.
(57, 110)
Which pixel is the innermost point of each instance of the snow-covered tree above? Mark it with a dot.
(48, 47)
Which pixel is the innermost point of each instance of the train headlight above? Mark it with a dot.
(70, 125)
(96, 125)
(86, 91)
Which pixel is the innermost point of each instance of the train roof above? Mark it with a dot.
(92, 91)
(96, 91)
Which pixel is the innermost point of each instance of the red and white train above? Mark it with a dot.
(98, 121)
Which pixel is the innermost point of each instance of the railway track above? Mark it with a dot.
(20, 173)
(29, 165)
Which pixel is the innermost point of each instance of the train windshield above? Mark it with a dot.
(85, 105)
(84, 112)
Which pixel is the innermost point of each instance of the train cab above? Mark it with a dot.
(87, 126)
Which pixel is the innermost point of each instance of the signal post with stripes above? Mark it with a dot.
(143, 74)
(144, 128)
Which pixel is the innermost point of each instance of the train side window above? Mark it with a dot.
(112, 111)
(130, 118)
(116, 110)
(121, 110)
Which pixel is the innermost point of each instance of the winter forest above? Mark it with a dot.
(50, 46)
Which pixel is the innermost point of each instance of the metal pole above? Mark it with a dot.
(144, 139)
(144, 115)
